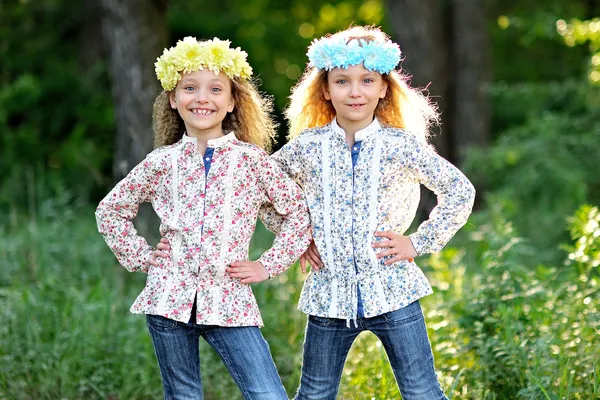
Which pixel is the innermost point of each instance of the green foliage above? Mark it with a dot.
(585, 232)
(544, 165)
(55, 105)
(519, 326)
(579, 32)
(525, 43)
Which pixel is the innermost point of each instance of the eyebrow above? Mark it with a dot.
(192, 80)
(343, 75)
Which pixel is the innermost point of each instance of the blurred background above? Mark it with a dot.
(515, 309)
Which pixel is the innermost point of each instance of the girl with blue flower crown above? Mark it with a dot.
(207, 180)
(358, 148)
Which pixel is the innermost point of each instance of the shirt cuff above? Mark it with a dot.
(419, 243)
(267, 261)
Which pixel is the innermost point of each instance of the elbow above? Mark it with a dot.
(101, 214)
(472, 192)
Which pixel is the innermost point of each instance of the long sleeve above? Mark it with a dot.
(115, 213)
(284, 158)
(285, 202)
(455, 196)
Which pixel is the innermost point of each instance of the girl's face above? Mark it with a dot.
(354, 93)
(203, 99)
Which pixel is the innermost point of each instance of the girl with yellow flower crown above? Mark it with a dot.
(207, 180)
(358, 148)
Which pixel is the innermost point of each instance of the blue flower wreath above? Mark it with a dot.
(328, 53)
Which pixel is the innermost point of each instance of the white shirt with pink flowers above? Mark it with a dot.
(209, 216)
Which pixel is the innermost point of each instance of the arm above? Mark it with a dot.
(114, 217)
(286, 161)
(455, 196)
(293, 234)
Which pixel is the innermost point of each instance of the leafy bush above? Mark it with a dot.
(521, 329)
(542, 169)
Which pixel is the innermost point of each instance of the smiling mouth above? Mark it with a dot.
(198, 111)
(356, 105)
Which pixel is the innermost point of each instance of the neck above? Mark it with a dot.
(351, 127)
(204, 136)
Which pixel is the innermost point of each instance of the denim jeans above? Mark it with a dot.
(243, 350)
(404, 337)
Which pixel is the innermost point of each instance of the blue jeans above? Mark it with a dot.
(404, 337)
(243, 350)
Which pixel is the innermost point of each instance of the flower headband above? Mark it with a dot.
(190, 55)
(330, 52)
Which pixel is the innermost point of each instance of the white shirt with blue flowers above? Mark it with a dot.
(381, 193)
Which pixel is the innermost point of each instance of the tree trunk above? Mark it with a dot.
(135, 32)
(418, 27)
(471, 117)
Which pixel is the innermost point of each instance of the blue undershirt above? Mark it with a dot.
(208, 155)
(355, 151)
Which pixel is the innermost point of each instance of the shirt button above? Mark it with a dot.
(207, 159)
(355, 148)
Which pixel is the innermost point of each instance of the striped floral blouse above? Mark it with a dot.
(208, 211)
(380, 193)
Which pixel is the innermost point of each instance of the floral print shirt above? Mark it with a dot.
(381, 193)
(209, 219)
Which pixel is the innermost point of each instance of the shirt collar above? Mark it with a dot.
(360, 135)
(222, 141)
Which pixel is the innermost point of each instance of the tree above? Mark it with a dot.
(135, 32)
(418, 28)
(446, 49)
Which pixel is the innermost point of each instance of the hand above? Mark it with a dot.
(312, 256)
(398, 245)
(248, 271)
(162, 245)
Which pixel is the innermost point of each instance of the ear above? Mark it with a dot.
(326, 93)
(172, 100)
(231, 105)
(384, 86)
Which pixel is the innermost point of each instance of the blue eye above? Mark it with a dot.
(189, 88)
(368, 80)
(341, 81)
(216, 90)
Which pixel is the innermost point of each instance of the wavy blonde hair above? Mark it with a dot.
(402, 107)
(251, 118)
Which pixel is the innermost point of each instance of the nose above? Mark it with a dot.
(202, 96)
(354, 90)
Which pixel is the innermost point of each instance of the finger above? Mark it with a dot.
(153, 261)
(387, 253)
(164, 240)
(251, 279)
(239, 264)
(387, 234)
(314, 263)
(157, 254)
(383, 243)
(393, 260)
(303, 264)
(239, 273)
(256, 276)
(314, 255)
(315, 249)
(163, 246)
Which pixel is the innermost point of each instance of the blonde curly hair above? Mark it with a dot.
(402, 107)
(251, 118)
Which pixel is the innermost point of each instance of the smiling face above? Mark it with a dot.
(354, 93)
(203, 100)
